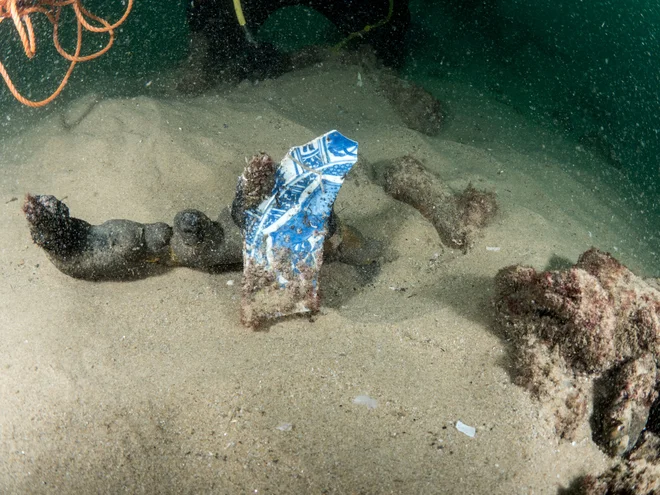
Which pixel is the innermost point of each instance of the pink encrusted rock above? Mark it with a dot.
(571, 327)
(598, 312)
(626, 416)
(638, 474)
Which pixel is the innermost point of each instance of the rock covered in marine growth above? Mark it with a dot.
(638, 474)
(573, 328)
(626, 411)
(598, 312)
(458, 218)
(419, 110)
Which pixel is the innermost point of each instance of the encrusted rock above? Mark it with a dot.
(418, 108)
(578, 325)
(458, 219)
(639, 474)
(626, 416)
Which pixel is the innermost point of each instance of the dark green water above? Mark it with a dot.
(588, 67)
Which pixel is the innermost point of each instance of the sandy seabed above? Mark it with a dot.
(153, 385)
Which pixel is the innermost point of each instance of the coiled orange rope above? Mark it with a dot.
(19, 12)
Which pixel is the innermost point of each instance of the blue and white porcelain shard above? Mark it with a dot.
(284, 234)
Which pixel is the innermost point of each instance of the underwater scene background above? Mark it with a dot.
(468, 340)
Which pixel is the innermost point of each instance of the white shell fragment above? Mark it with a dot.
(365, 400)
(470, 431)
(284, 427)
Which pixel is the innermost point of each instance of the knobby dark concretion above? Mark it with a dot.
(123, 249)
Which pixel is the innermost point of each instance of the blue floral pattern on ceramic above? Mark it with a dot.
(293, 221)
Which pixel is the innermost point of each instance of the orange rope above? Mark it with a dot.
(19, 12)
